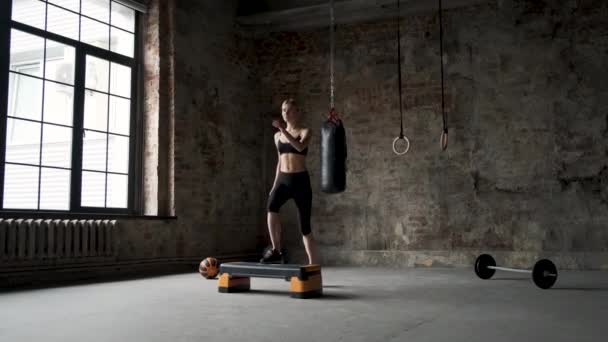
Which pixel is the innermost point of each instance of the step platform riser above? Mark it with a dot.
(305, 281)
(229, 284)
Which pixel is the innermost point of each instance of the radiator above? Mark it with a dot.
(31, 239)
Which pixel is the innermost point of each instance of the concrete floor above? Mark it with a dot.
(360, 304)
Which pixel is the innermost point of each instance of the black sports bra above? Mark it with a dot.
(287, 148)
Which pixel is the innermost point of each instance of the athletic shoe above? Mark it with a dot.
(272, 257)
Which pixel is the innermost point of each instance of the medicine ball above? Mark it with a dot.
(209, 268)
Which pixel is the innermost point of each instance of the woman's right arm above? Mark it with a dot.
(276, 175)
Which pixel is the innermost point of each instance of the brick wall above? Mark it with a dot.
(525, 173)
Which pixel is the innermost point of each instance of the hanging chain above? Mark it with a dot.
(332, 42)
(399, 65)
(443, 114)
(401, 135)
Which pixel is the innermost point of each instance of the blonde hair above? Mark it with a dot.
(291, 102)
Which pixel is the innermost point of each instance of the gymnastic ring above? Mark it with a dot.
(444, 140)
(395, 145)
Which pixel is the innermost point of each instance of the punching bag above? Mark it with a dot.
(333, 155)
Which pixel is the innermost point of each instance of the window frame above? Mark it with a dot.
(81, 51)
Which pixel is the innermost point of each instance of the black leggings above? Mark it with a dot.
(297, 186)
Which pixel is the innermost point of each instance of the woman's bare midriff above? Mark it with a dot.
(291, 163)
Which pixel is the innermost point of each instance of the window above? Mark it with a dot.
(68, 101)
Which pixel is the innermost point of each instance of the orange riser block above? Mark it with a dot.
(229, 284)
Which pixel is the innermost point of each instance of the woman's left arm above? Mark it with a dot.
(301, 144)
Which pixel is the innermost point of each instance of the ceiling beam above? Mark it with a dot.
(348, 11)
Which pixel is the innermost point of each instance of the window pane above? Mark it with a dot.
(120, 80)
(95, 33)
(23, 142)
(58, 103)
(120, 115)
(62, 22)
(117, 195)
(95, 110)
(25, 97)
(97, 74)
(55, 189)
(122, 42)
(56, 146)
(94, 151)
(123, 17)
(59, 62)
(118, 154)
(27, 52)
(20, 187)
(93, 189)
(73, 5)
(30, 12)
(97, 9)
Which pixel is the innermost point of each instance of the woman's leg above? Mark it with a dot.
(274, 229)
(277, 198)
(311, 248)
(303, 199)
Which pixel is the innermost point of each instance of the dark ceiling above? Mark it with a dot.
(278, 15)
(249, 7)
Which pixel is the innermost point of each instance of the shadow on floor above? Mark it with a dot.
(590, 289)
(569, 287)
(269, 292)
(339, 296)
(93, 280)
(326, 296)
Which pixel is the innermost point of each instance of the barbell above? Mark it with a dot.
(544, 273)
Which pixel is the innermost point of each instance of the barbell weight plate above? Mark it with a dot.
(544, 274)
(481, 266)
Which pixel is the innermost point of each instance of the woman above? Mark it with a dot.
(291, 181)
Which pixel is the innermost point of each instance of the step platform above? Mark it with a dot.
(305, 280)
